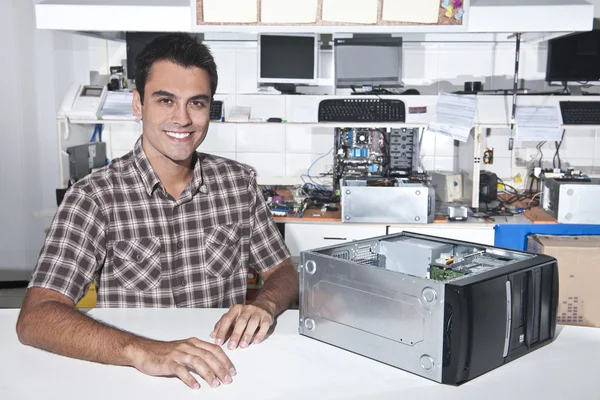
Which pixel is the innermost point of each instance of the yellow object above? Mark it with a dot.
(89, 300)
(449, 11)
(518, 179)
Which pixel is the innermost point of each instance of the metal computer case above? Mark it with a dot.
(572, 201)
(449, 331)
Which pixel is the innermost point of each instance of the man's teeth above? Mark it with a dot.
(177, 135)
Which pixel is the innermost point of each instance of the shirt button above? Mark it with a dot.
(179, 245)
(138, 257)
(183, 282)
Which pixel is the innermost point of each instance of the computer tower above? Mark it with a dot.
(446, 310)
(572, 201)
(83, 159)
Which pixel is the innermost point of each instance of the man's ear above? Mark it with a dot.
(137, 104)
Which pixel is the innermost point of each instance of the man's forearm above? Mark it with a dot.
(280, 290)
(61, 329)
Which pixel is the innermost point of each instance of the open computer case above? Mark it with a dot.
(446, 310)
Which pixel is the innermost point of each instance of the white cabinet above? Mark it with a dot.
(300, 237)
(470, 233)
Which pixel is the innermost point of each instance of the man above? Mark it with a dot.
(163, 226)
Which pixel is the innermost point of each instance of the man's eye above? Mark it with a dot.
(197, 104)
(165, 101)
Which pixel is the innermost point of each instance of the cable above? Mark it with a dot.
(312, 165)
(534, 196)
(556, 154)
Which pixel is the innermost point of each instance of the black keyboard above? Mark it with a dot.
(580, 112)
(216, 109)
(361, 110)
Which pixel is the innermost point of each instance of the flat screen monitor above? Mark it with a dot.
(373, 61)
(574, 58)
(288, 59)
(135, 43)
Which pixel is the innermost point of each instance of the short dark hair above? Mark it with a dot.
(179, 48)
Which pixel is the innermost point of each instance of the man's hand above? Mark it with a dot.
(175, 358)
(245, 321)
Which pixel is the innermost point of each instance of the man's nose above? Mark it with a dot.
(181, 115)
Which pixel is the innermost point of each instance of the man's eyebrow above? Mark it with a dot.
(163, 93)
(199, 97)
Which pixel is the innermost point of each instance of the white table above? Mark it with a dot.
(287, 366)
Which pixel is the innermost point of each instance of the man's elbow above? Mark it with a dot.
(23, 328)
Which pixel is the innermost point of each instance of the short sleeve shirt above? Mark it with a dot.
(119, 228)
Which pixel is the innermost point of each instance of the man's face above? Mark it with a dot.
(175, 113)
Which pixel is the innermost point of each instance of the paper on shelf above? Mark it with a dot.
(230, 11)
(422, 11)
(455, 132)
(118, 105)
(537, 123)
(288, 11)
(455, 115)
(350, 11)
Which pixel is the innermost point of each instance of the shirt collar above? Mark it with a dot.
(149, 177)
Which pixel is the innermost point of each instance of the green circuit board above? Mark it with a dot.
(443, 274)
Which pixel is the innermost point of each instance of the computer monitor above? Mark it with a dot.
(135, 42)
(368, 61)
(574, 58)
(288, 59)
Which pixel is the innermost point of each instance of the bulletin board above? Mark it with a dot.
(330, 12)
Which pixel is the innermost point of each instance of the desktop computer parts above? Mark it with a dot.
(488, 187)
(375, 152)
(376, 173)
(572, 201)
(445, 310)
(448, 186)
(83, 159)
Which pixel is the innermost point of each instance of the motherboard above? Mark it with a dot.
(375, 153)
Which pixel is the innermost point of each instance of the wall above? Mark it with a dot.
(281, 154)
(37, 67)
(40, 66)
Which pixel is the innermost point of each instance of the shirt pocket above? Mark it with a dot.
(223, 250)
(137, 263)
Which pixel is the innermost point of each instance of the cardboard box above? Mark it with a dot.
(578, 274)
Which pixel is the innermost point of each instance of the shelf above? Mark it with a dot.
(114, 15)
(101, 121)
(483, 16)
(331, 124)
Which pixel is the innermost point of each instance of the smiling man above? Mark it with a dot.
(162, 226)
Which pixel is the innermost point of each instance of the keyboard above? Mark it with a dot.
(216, 110)
(361, 110)
(580, 112)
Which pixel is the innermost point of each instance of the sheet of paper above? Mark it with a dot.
(456, 110)
(350, 11)
(422, 11)
(537, 123)
(288, 11)
(455, 132)
(118, 105)
(232, 11)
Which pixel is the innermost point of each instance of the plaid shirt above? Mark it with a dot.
(120, 228)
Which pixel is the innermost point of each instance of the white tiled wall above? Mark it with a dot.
(281, 153)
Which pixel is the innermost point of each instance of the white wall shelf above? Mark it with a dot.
(525, 16)
(114, 15)
(102, 121)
